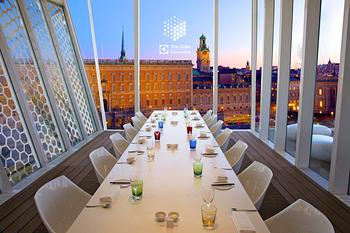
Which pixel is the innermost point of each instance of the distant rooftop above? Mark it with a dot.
(145, 62)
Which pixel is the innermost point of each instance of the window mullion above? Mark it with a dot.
(284, 59)
(254, 45)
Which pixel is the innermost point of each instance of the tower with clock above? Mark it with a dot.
(203, 52)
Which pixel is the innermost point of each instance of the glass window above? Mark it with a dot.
(327, 72)
(274, 74)
(30, 80)
(117, 62)
(171, 50)
(234, 62)
(71, 64)
(295, 75)
(52, 69)
(16, 150)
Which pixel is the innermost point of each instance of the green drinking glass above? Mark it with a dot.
(197, 168)
(136, 189)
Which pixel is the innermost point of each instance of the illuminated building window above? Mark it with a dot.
(321, 103)
(320, 91)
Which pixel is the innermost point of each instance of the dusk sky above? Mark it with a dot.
(234, 28)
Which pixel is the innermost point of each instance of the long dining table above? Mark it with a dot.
(168, 185)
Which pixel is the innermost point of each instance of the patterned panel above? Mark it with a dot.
(30, 79)
(16, 152)
(53, 71)
(66, 48)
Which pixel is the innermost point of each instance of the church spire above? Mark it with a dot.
(122, 52)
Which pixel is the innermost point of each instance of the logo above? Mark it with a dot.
(163, 49)
(174, 28)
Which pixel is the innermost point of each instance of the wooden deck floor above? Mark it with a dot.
(288, 185)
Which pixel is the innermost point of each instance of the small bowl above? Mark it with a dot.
(173, 123)
(172, 146)
(141, 141)
(174, 216)
(160, 216)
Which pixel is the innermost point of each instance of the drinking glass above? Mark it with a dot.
(208, 216)
(193, 143)
(136, 185)
(197, 168)
(160, 124)
(157, 135)
(208, 194)
(150, 150)
(189, 129)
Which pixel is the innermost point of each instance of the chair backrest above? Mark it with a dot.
(119, 144)
(136, 122)
(59, 202)
(141, 117)
(103, 162)
(211, 120)
(223, 139)
(235, 155)
(300, 216)
(216, 128)
(207, 114)
(256, 179)
(130, 131)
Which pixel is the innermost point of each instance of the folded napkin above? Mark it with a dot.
(242, 222)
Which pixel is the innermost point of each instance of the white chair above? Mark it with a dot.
(103, 162)
(119, 144)
(208, 114)
(211, 120)
(130, 131)
(141, 117)
(235, 155)
(136, 122)
(299, 217)
(216, 128)
(59, 202)
(256, 178)
(223, 139)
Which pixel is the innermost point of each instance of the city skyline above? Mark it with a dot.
(234, 48)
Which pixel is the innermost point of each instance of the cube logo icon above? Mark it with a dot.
(163, 49)
(174, 28)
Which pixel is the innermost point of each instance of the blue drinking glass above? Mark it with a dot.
(193, 144)
(160, 124)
